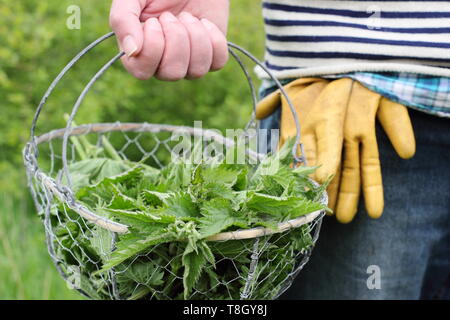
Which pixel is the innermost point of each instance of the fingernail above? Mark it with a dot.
(129, 46)
(169, 17)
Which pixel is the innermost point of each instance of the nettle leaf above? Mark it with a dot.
(101, 242)
(304, 171)
(172, 211)
(131, 244)
(239, 199)
(193, 262)
(206, 251)
(218, 216)
(273, 163)
(145, 273)
(93, 195)
(128, 178)
(110, 168)
(155, 198)
(197, 175)
(216, 190)
(150, 174)
(138, 219)
(223, 174)
(121, 201)
(283, 207)
(270, 224)
(270, 186)
(179, 205)
(177, 175)
(242, 178)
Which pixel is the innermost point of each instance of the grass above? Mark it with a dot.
(26, 270)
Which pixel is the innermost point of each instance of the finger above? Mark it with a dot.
(287, 127)
(332, 103)
(201, 47)
(396, 123)
(175, 61)
(219, 45)
(349, 190)
(268, 105)
(302, 96)
(310, 149)
(333, 190)
(371, 176)
(303, 82)
(124, 21)
(146, 63)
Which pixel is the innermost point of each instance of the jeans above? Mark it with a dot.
(405, 254)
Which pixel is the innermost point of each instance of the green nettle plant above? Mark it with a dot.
(171, 214)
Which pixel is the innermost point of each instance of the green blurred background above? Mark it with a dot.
(35, 44)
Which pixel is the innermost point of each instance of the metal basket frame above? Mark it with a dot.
(65, 194)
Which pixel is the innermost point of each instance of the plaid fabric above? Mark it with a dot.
(421, 92)
(425, 93)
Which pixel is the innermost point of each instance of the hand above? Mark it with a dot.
(171, 39)
(337, 113)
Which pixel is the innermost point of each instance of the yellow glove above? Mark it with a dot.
(361, 164)
(321, 107)
(330, 112)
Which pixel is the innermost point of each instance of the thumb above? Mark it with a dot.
(268, 105)
(396, 123)
(124, 21)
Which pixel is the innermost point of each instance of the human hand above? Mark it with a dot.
(171, 39)
(336, 115)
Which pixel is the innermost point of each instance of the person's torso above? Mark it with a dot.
(309, 37)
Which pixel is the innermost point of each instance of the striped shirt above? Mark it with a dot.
(322, 37)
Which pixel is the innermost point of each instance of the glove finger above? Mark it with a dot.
(310, 149)
(371, 176)
(350, 187)
(333, 190)
(268, 104)
(302, 98)
(332, 102)
(396, 123)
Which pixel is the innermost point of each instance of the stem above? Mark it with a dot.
(76, 142)
(110, 149)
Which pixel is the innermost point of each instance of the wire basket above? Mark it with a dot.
(258, 263)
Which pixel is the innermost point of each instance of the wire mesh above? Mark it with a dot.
(256, 268)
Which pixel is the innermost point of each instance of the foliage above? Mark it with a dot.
(178, 206)
(36, 44)
(25, 267)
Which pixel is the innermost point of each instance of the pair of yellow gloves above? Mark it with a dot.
(337, 120)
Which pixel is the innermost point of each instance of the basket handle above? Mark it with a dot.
(231, 47)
